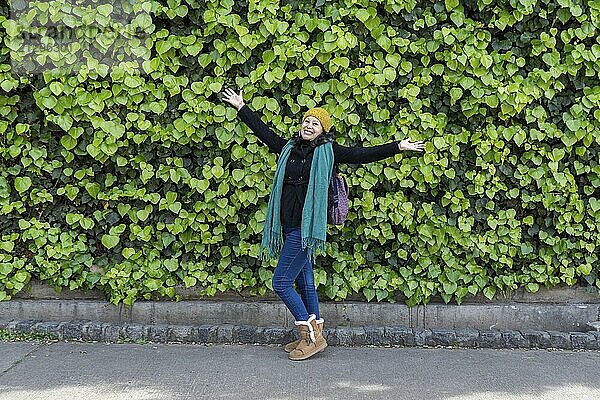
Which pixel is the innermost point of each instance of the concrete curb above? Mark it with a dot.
(84, 330)
(512, 316)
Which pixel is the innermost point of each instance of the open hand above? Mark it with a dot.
(233, 98)
(408, 144)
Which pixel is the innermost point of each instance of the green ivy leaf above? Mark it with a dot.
(127, 252)
(353, 119)
(489, 292)
(110, 241)
(451, 4)
(457, 17)
(455, 94)
(171, 264)
(450, 287)
(143, 214)
(22, 183)
(68, 142)
(217, 171)
(369, 293)
(362, 15)
(189, 281)
(532, 287)
(7, 246)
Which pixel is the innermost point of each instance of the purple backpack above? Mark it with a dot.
(337, 204)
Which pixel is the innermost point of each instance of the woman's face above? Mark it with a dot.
(311, 128)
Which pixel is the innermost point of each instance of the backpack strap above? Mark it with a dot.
(334, 182)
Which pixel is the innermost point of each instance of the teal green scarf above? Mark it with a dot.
(314, 213)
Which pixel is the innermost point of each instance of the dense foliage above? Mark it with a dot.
(136, 181)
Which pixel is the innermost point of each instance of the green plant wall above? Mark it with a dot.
(137, 181)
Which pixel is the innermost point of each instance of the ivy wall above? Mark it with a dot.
(137, 180)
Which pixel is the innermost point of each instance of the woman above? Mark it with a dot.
(298, 210)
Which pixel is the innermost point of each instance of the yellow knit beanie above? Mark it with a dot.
(322, 115)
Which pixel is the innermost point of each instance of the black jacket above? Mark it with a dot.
(297, 170)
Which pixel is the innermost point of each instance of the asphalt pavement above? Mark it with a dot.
(99, 371)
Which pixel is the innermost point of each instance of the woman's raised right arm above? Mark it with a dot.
(258, 127)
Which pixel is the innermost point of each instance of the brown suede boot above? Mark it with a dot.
(292, 345)
(309, 345)
(320, 341)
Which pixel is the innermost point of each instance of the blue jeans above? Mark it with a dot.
(294, 265)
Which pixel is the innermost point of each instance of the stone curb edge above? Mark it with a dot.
(85, 330)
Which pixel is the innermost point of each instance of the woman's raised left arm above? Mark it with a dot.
(364, 155)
